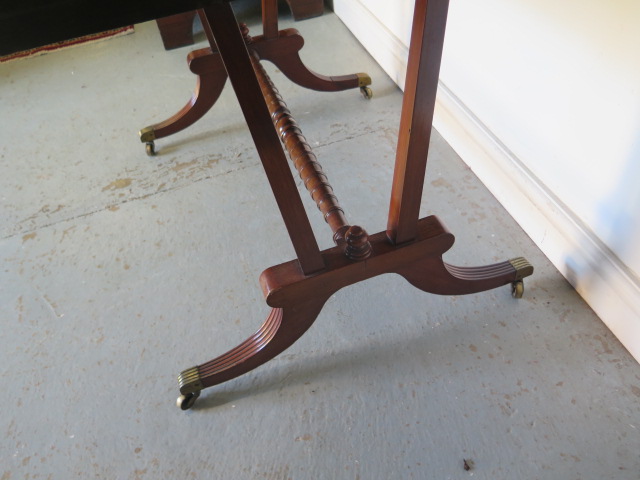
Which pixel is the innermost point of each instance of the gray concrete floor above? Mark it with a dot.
(119, 270)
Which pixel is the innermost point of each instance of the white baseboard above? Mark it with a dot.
(585, 261)
(588, 264)
(390, 53)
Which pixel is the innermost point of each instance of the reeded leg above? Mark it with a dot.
(283, 52)
(297, 298)
(433, 275)
(282, 328)
(411, 247)
(212, 77)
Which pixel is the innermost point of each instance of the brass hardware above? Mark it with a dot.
(522, 266)
(150, 148)
(363, 79)
(189, 381)
(147, 134)
(185, 402)
(366, 92)
(517, 289)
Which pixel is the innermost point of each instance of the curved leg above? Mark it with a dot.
(286, 287)
(212, 76)
(433, 275)
(282, 328)
(283, 50)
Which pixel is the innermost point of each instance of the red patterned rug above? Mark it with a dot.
(96, 37)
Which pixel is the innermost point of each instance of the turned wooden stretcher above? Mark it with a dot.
(297, 290)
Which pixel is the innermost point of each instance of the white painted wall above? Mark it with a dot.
(542, 99)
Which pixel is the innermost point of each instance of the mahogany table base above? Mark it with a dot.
(411, 247)
(281, 49)
(297, 299)
(177, 30)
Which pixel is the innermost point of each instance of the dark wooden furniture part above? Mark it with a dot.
(280, 47)
(303, 9)
(297, 290)
(177, 30)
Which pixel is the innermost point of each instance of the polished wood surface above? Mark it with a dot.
(297, 299)
(301, 154)
(419, 262)
(270, 19)
(279, 47)
(283, 52)
(418, 103)
(411, 247)
(211, 77)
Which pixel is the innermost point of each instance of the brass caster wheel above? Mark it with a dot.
(366, 92)
(150, 147)
(185, 402)
(517, 289)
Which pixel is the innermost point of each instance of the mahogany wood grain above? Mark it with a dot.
(282, 50)
(310, 171)
(297, 299)
(270, 18)
(425, 54)
(297, 290)
(420, 262)
(282, 328)
(301, 155)
(412, 247)
(211, 78)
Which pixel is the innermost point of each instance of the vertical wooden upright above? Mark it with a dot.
(411, 247)
(425, 54)
(270, 19)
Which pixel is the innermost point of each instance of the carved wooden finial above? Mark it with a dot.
(358, 246)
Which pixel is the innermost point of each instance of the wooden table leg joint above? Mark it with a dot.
(413, 248)
(297, 298)
(279, 47)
